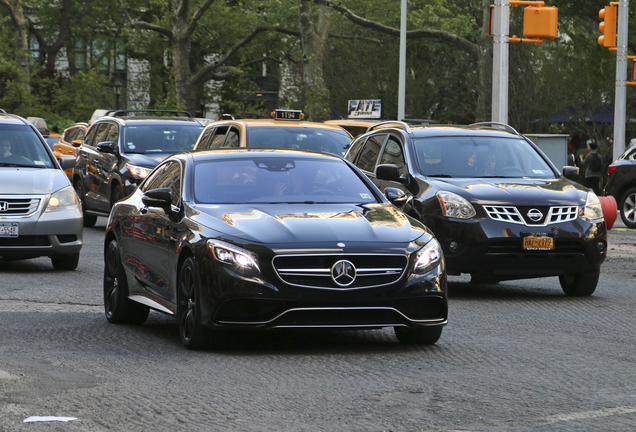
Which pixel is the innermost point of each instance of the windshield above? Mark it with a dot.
(278, 180)
(160, 138)
(324, 140)
(479, 157)
(21, 146)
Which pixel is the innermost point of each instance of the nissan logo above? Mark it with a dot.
(343, 273)
(535, 215)
(4, 206)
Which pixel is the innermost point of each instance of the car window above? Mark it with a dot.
(356, 146)
(166, 176)
(278, 180)
(70, 134)
(478, 156)
(80, 134)
(20, 145)
(630, 154)
(204, 140)
(112, 135)
(218, 138)
(392, 154)
(90, 135)
(333, 141)
(370, 152)
(233, 139)
(160, 138)
(102, 133)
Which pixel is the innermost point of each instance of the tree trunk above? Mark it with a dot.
(314, 41)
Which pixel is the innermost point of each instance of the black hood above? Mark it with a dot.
(150, 160)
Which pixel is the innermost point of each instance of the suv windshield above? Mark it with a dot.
(21, 146)
(324, 140)
(160, 138)
(278, 180)
(479, 157)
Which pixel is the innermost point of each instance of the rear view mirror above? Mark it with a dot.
(571, 173)
(161, 198)
(77, 143)
(388, 172)
(396, 196)
(67, 162)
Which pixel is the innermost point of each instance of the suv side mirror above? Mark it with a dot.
(106, 147)
(77, 143)
(161, 198)
(388, 172)
(571, 172)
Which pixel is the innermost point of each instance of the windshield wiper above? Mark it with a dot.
(14, 165)
(440, 175)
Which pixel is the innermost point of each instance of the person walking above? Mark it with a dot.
(593, 165)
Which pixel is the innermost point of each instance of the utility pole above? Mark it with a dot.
(402, 71)
(621, 78)
(500, 30)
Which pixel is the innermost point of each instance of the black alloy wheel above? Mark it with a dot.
(193, 334)
(580, 284)
(118, 307)
(89, 220)
(418, 336)
(628, 208)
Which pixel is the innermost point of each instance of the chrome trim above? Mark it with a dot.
(431, 321)
(150, 303)
(35, 204)
(556, 214)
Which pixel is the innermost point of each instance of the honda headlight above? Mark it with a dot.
(429, 257)
(237, 259)
(593, 210)
(64, 199)
(137, 171)
(455, 206)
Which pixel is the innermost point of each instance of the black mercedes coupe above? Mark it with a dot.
(259, 239)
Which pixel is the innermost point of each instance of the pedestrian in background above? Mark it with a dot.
(593, 167)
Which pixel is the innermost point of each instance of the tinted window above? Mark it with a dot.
(392, 154)
(355, 149)
(167, 176)
(630, 154)
(324, 140)
(278, 180)
(158, 138)
(21, 145)
(466, 156)
(70, 134)
(370, 152)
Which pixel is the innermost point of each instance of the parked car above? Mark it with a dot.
(262, 238)
(69, 143)
(621, 184)
(286, 130)
(119, 151)
(495, 202)
(40, 213)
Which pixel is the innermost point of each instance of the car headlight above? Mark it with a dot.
(138, 172)
(429, 257)
(455, 206)
(64, 199)
(593, 210)
(234, 257)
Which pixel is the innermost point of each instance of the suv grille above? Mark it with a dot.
(315, 270)
(18, 205)
(514, 215)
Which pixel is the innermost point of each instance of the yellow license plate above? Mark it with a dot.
(538, 242)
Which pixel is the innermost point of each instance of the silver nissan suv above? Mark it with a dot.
(40, 214)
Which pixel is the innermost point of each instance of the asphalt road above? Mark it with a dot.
(516, 356)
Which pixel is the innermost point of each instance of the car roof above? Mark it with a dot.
(429, 130)
(13, 119)
(230, 153)
(129, 121)
(276, 123)
(353, 122)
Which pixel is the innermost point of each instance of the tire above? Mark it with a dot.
(89, 220)
(118, 307)
(65, 262)
(627, 208)
(116, 196)
(193, 334)
(580, 284)
(418, 336)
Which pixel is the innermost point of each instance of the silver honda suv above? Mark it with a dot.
(40, 214)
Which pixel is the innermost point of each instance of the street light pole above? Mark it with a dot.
(620, 117)
(500, 62)
(402, 71)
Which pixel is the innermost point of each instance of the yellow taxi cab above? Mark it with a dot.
(69, 143)
(354, 126)
(286, 129)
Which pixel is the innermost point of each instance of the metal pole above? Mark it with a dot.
(500, 61)
(402, 72)
(621, 78)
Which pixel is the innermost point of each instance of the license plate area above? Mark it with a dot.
(9, 229)
(538, 242)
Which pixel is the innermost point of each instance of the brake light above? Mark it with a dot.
(611, 168)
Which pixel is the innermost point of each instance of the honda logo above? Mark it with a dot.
(4, 206)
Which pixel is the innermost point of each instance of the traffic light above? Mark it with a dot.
(608, 26)
(540, 22)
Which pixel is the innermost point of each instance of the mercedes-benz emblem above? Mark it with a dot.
(535, 215)
(343, 273)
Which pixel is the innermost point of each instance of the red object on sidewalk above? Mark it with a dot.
(609, 207)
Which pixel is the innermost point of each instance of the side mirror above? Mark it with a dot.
(396, 196)
(67, 162)
(571, 173)
(77, 143)
(106, 147)
(388, 172)
(161, 198)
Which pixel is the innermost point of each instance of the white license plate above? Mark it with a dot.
(9, 229)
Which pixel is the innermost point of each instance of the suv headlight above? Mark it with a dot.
(237, 259)
(137, 171)
(455, 206)
(593, 210)
(429, 257)
(64, 199)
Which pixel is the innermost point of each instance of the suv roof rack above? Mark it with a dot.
(495, 125)
(400, 124)
(132, 113)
